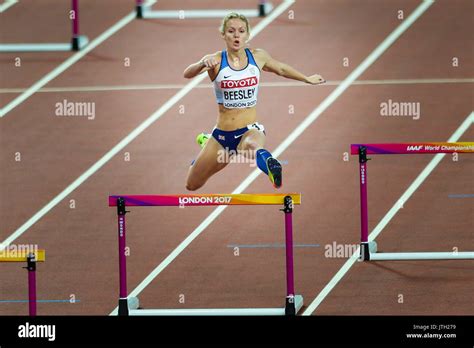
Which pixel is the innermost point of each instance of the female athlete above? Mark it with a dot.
(235, 73)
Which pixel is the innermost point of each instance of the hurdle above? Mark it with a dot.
(130, 305)
(31, 258)
(77, 42)
(368, 250)
(144, 11)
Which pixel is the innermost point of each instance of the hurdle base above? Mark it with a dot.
(123, 309)
(292, 308)
(146, 12)
(367, 249)
(261, 10)
(468, 255)
(298, 302)
(76, 44)
(79, 42)
(139, 10)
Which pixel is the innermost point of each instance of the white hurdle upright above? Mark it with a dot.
(145, 11)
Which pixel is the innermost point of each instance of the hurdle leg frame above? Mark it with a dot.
(123, 294)
(128, 305)
(368, 249)
(290, 306)
(77, 41)
(364, 214)
(31, 259)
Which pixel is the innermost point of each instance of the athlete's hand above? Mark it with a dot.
(209, 62)
(315, 79)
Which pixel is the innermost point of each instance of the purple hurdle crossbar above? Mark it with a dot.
(290, 305)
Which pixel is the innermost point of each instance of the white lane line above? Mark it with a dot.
(208, 85)
(287, 142)
(69, 62)
(386, 219)
(129, 138)
(7, 4)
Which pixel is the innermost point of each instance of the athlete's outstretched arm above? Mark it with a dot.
(282, 69)
(208, 62)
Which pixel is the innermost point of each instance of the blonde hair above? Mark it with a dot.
(234, 15)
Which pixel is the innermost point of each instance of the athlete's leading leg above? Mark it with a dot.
(251, 146)
(210, 160)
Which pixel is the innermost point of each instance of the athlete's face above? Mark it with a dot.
(235, 34)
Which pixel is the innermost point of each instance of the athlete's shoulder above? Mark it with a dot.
(260, 53)
(261, 57)
(217, 55)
